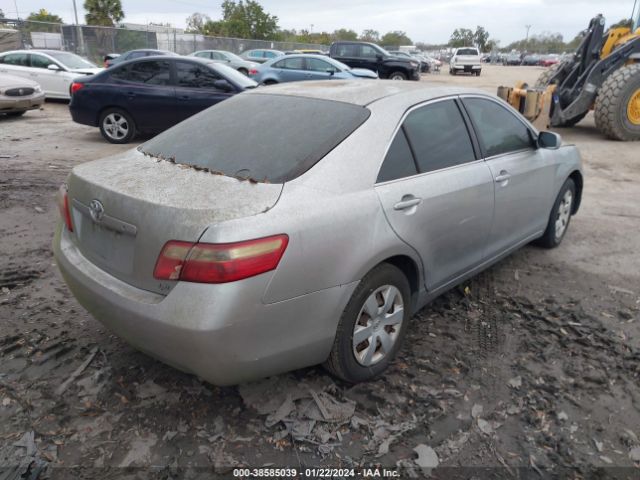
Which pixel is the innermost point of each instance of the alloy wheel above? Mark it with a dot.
(378, 325)
(116, 126)
(564, 213)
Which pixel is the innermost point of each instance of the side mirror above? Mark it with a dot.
(223, 85)
(379, 57)
(549, 140)
(54, 67)
(331, 71)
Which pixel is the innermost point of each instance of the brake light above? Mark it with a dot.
(253, 71)
(219, 262)
(63, 206)
(75, 86)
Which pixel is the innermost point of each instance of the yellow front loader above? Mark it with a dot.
(603, 75)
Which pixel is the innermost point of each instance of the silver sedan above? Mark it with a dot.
(306, 223)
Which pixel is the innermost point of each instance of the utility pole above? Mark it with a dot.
(15, 4)
(78, 29)
(526, 42)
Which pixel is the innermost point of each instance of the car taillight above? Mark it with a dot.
(63, 206)
(253, 71)
(219, 262)
(75, 86)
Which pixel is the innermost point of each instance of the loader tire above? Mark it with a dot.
(543, 79)
(617, 110)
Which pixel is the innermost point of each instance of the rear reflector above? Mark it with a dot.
(63, 206)
(219, 262)
(75, 86)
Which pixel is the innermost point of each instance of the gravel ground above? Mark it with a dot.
(530, 369)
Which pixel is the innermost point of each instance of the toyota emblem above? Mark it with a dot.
(96, 210)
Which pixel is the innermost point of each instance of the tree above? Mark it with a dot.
(196, 22)
(461, 37)
(344, 34)
(480, 38)
(370, 36)
(245, 20)
(395, 38)
(44, 16)
(103, 12)
(1, 13)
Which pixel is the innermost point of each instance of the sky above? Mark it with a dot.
(429, 21)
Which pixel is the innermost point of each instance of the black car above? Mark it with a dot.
(372, 57)
(133, 54)
(151, 94)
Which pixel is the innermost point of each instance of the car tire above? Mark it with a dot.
(117, 126)
(560, 216)
(16, 114)
(269, 82)
(361, 362)
(397, 76)
(244, 71)
(478, 73)
(452, 71)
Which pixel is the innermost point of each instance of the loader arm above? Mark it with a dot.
(579, 98)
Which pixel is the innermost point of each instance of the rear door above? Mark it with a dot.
(442, 205)
(523, 175)
(195, 89)
(291, 69)
(147, 93)
(16, 64)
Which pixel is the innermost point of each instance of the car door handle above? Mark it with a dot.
(503, 176)
(407, 201)
(131, 94)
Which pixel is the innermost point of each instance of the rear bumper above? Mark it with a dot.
(84, 116)
(17, 104)
(223, 333)
(466, 68)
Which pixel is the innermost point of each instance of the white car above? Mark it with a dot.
(465, 59)
(53, 70)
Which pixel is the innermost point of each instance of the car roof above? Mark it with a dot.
(364, 92)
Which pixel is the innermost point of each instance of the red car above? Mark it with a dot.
(550, 60)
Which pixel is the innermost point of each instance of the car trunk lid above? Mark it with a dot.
(125, 208)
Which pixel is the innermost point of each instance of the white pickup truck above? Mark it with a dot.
(465, 59)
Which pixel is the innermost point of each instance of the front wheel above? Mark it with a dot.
(117, 126)
(372, 325)
(397, 76)
(560, 216)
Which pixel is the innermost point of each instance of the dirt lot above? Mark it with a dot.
(530, 368)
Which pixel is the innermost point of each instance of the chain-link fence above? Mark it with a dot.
(96, 42)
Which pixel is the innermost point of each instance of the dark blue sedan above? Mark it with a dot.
(151, 94)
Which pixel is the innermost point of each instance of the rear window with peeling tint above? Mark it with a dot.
(267, 138)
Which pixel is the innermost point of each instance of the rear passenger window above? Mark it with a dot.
(20, 59)
(500, 131)
(439, 137)
(291, 63)
(154, 72)
(399, 161)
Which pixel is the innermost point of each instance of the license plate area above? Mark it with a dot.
(109, 244)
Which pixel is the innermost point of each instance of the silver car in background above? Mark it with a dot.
(231, 59)
(18, 95)
(313, 233)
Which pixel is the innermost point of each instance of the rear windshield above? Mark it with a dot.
(467, 51)
(266, 138)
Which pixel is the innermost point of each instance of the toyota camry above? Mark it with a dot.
(306, 223)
